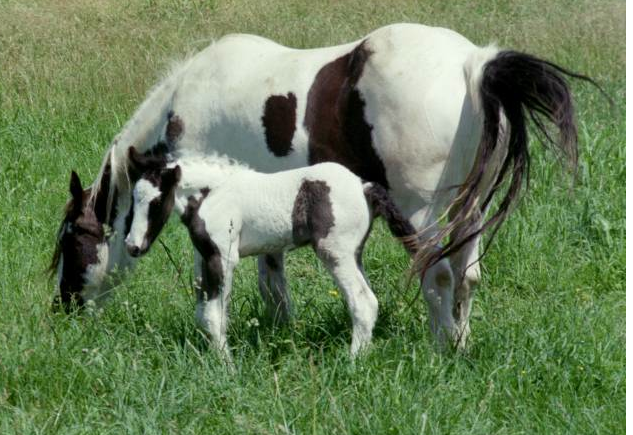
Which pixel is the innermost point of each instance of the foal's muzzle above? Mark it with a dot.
(137, 251)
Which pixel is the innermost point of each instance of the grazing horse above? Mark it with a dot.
(437, 121)
(233, 212)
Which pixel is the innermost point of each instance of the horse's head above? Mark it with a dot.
(153, 197)
(81, 253)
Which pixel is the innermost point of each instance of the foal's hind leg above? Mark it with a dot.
(361, 301)
(272, 287)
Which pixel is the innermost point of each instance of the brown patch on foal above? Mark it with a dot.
(212, 273)
(335, 118)
(312, 215)
(279, 121)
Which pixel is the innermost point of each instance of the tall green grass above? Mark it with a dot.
(547, 352)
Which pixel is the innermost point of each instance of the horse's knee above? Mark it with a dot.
(367, 308)
(472, 276)
(464, 296)
(438, 284)
(438, 287)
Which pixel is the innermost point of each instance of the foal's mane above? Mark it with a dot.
(211, 166)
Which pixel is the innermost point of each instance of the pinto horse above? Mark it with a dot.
(438, 121)
(233, 212)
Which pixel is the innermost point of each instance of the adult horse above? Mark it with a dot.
(438, 121)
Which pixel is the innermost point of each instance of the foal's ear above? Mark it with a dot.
(172, 177)
(76, 190)
(137, 162)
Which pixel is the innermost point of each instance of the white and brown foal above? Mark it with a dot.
(232, 211)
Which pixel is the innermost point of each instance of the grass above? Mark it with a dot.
(547, 353)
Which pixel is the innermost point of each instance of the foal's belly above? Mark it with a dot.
(266, 223)
(255, 241)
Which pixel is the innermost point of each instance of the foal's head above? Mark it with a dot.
(153, 199)
(81, 252)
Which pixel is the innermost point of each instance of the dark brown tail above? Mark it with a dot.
(526, 89)
(382, 205)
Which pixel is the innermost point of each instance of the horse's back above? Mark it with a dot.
(413, 83)
(243, 88)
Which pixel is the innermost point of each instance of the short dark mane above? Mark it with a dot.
(57, 253)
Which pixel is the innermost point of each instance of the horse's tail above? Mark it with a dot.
(142, 131)
(381, 204)
(508, 89)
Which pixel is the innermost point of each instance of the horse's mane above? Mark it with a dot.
(57, 253)
(143, 130)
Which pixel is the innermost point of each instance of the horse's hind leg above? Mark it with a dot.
(361, 301)
(272, 287)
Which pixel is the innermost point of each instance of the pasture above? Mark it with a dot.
(547, 350)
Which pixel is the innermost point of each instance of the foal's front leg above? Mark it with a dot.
(272, 287)
(361, 301)
(214, 296)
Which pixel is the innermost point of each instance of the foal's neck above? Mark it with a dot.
(203, 172)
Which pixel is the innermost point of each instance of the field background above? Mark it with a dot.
(548, 346)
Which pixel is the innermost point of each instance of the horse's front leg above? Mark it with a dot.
(214, 296)
(467, 273)
(438, 288)
(272, 286)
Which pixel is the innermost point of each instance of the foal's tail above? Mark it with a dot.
(510, 89)
(382, 205)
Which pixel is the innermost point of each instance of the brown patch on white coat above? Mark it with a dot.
(335, 119)
(279, 121)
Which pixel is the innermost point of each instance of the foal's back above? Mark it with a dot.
(275, 212)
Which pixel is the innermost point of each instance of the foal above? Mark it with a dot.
(232, 211)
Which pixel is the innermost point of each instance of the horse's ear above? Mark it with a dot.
(76, 191)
